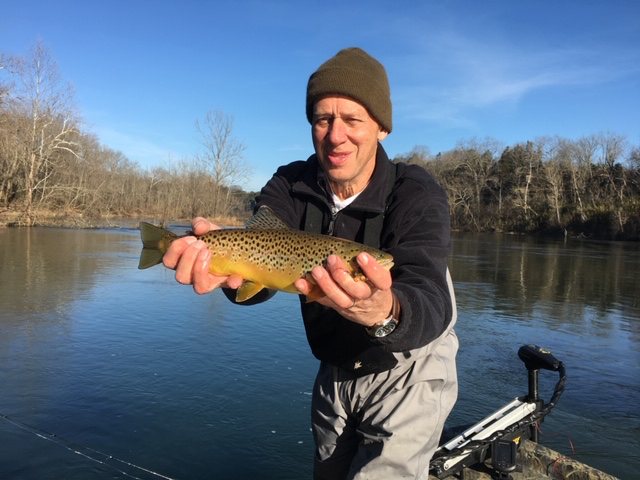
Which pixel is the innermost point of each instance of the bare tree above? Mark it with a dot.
(556, 158)
(478, 162)
(222, 158)
(526, 162)
(49, 124)
(9, 152)
(581, 169)
(612, 148)
(4, 87)
(419, 155)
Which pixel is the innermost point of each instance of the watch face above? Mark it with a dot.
(384, 330)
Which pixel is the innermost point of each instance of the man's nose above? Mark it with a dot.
(337, 131)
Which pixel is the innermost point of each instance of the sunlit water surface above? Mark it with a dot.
(97, 357)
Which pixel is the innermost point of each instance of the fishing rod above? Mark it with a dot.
(122, 467)
(495, 439)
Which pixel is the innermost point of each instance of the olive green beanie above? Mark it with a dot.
(352, 72)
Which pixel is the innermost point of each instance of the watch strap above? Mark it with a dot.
(389, 324)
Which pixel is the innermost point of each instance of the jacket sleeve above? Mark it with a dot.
(417, 234)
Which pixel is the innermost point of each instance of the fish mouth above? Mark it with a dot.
(386, 262)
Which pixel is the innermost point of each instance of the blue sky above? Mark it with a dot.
(145, 71)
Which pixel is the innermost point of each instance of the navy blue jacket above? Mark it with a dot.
(416, 231)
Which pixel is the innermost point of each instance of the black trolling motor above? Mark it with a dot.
(495, 439)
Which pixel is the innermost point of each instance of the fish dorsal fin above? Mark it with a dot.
(266, 219)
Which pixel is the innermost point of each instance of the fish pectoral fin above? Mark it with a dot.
(247, 290)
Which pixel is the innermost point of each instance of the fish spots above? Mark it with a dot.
(275, 258)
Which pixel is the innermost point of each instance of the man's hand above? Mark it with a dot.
(365, 302)
(190, 258)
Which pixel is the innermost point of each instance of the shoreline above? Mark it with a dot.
(74, 219)
(13, 219)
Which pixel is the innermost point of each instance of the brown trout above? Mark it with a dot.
(266, 253)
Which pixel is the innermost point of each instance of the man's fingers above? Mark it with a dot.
(184, 269)
(234, 281)
(172, 256)
(331, 289)
(201, 225)
(377, 275)
(302, 285)
(202, 281)
(355, 289)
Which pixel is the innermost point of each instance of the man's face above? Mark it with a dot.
(345, 138)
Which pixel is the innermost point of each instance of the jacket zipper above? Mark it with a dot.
(332, 223)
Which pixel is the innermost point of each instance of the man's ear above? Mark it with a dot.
(382, 135)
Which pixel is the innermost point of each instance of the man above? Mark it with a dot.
(387, 377)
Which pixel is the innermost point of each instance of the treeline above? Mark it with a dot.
(50, 168)
(588, 187)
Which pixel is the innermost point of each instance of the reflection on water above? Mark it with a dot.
(45, 269)
(523, 273)
(129, 362)
(577, 298)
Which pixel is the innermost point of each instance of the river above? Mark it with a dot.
(105, 367)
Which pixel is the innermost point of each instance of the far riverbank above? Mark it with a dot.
(76, 219)
(48, 218)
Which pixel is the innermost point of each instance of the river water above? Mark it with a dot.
(105, 368)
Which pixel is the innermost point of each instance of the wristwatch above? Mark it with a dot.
(383, 329)
(389, 324)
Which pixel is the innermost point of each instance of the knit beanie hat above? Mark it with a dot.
(352, 72)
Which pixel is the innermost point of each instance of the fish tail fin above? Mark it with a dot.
(155, 242)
